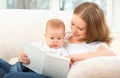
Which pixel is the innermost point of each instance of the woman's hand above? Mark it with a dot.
(22, 57)
(72, 59)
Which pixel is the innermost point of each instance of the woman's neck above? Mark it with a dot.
(75, 41)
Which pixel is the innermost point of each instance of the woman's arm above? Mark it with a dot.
(22, 57)
(101, 51)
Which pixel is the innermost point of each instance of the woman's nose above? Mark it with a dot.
(74, 30)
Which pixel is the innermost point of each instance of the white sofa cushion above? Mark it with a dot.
(99, 67)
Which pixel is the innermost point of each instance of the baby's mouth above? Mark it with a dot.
(54, 46)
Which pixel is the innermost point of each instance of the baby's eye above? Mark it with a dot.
(52, 38)
(59, 38)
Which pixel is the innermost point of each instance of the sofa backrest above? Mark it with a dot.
(19, 25)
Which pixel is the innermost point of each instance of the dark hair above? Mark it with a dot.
(93, 15)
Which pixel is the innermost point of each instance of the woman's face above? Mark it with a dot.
(78, 27)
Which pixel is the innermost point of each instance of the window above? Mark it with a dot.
(49, 4)
(28, 4)
(71, 4)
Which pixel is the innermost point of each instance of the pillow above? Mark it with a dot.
(98, 67)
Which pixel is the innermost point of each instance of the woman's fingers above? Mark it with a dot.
(71, 60)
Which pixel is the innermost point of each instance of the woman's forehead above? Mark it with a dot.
(78, 21)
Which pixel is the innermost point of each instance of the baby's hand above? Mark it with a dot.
(22, 57)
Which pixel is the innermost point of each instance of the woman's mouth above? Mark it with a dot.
(76, 35)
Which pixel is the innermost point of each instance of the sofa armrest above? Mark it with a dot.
(99, 67)
(13, 60)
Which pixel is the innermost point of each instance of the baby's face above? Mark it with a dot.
(55, 38)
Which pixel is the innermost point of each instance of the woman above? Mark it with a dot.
(89, 37)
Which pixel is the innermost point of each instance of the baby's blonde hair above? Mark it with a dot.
(55, 24)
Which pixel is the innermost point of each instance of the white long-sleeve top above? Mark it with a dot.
(44, 47)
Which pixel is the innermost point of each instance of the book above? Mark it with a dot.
(47, 64)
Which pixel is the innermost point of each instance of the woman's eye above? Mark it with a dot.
(80, 29)
(72, 24)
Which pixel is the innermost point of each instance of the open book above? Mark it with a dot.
(47, 64)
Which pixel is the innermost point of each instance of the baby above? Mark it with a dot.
(54, 38)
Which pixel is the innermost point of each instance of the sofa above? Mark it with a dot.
(19, 25)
